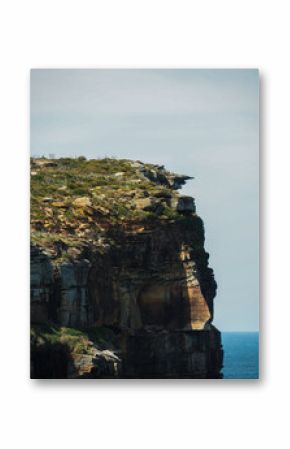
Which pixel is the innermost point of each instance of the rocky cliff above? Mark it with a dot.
(120, 283)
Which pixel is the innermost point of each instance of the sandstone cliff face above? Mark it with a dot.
(149, 282)
(151, 279)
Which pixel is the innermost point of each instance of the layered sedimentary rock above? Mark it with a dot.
(141, 272)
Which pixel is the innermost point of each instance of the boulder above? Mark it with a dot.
(142, 203)
(163, 194)
(59, 204)
(136, 164)
(44, 163)
(156, 207)
(48, 212)
(82, 202)
(186, 205)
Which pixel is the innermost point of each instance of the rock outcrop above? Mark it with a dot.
(120, 251)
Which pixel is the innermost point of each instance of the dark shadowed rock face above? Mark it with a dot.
(175, 354)
(146, 282)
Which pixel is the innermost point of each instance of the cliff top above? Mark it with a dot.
(74, 200)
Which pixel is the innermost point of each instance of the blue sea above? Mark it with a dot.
(241, 355)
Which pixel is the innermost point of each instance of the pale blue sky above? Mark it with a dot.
(204, 123)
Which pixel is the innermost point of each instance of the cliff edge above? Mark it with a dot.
(120, 283)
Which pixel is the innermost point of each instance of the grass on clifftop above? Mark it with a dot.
(74, 199)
